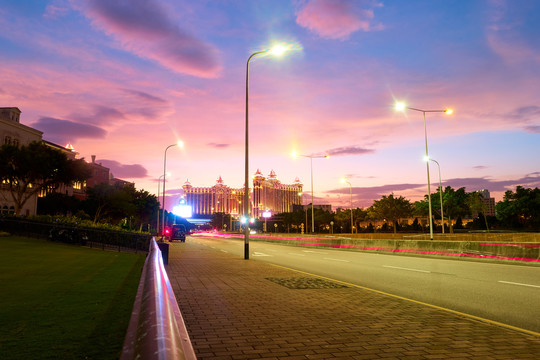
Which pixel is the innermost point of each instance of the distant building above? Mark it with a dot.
(119, 183)
(268, 194)
(14, 133)
(219, 198)
(99, 173)
(489, 203)
(77, 188)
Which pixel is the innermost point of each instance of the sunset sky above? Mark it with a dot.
(124, 79)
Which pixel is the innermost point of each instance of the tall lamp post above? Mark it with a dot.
(401, 107)
(179, 144)
(440, 192)
(311, 157)
(350, 187)
(158, 187)
(276, 50)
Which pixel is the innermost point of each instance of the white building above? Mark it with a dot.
(15, 133)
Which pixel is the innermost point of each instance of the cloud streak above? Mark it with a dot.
(335, 19)
(64, 131)
(349, 150)
(366, 195)
(125, 171)
(144, 28)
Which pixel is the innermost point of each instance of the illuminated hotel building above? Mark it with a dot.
(268, 194)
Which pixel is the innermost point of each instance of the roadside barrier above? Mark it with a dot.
(156, 329)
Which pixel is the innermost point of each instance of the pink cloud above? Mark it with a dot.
(54, 12)
(63, 131)
(335, 19)
(144, 28)
(125, 171)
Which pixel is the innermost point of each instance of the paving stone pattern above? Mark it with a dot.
(235, 309)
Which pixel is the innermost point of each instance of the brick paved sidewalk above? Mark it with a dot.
(242, 309)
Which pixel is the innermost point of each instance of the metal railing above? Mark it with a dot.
(93, 237)
(156, 328)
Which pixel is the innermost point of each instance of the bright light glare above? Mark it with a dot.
(448, 111)
(294, 154)
(183, 211)
(400, 106)
(180, 143)
(278, 50)
(343, 180)
(426, 158)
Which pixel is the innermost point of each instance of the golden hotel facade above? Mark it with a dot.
(267, 193)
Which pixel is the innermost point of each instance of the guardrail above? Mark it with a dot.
(76, 235)
(156, 329)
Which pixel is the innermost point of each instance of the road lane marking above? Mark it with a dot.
(515, 283)
(297, 254)
(224, 251)
(459, 313)
(408, 269)
(259, 254)
(314, 252)
(331, 259)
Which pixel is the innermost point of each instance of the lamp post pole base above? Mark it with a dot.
(246, 251)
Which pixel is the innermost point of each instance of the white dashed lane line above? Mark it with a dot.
(408, 269)
(520, 284)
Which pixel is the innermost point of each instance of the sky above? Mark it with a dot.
(125, 79)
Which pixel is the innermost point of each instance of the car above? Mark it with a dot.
(178, 232)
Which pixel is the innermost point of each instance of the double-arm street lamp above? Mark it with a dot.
(276, 50)
(344, 180)
(181, 145)
(311, 157)
(401, 107)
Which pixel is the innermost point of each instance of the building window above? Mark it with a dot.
(7, 140)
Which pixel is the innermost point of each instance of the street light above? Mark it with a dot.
(158, 188)
(305, 210)
(277, 51)
(402, 107)
(344, 180)
(440, 190)
(311, 157)
(181, 145)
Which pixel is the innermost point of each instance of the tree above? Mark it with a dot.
(218, 220)
(392, 208)
(476, 205)
(455, 204)
(146, 206)
(343, 219)
(107, 201)
(30, 169)
(323, 219)
(520, 209)
(294, 219)
(58, 204)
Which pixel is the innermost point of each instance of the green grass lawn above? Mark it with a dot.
(61, 301)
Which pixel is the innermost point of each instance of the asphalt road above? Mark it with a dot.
(508, 294)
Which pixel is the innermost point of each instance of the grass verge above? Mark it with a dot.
(64, 302)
